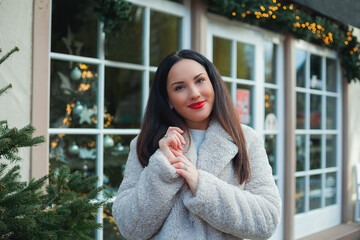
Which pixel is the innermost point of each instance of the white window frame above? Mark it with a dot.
(176, 9)
(239, 32)
(314, 221)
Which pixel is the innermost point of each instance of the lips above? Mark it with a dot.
(197, 105)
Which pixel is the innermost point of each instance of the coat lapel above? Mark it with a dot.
(217, 150)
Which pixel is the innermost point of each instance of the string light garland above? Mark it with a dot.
(283, 16)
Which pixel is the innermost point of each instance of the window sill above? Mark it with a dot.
(346, 231)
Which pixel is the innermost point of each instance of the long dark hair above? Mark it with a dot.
(158, 116)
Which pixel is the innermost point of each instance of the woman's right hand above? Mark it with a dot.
(172, 138)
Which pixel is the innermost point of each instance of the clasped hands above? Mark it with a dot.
(171, 146)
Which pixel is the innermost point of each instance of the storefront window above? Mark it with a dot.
(99, 84)
(317, 131)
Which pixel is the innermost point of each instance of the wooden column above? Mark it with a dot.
(290, 126)
(39, 162)
(198, 26)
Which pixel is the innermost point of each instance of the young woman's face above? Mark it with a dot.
(191, 93)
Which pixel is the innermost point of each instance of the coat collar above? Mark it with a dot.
(217, 150)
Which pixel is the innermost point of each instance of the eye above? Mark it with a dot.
(200, 80)
(178, 88)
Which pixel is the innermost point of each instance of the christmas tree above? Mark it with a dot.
(65, 209)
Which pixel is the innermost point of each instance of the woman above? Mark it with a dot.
(194, 172)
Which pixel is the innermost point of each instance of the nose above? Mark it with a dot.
(194, 93)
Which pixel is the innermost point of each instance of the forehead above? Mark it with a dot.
(184, 70)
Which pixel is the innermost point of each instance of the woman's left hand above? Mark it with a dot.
(186, 169)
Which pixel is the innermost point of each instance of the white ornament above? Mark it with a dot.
(108, 142)
(85, 115)
(74, 149)
(75, 74)
(85, 153)
(78, 108)
(65, 83)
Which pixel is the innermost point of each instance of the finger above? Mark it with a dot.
(178, 136)
(177, 153)
(185, 174)
(182, 139)
(176, 160)
(176, 128)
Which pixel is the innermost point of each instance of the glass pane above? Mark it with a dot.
(164, 36)
(151, 78)
(315, 192)
(315, 72)
(331, 111)
(270, 62)
(315, 111)
(245, 61)
(270, 146)
(116, 151)
(300, 68)
(331, 151)
(124, 47)
(123, 98)
(110, 230)
(73, 95)
(222, 55)
(300, 110)
(331, 75)
(315, 151)
(74, 28)
(76, 151)
(330, 191)
(270, 109)
(244, 103)
(300, 153)
(300, 195)
(228, 86)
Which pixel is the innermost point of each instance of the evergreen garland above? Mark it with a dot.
(282, 16)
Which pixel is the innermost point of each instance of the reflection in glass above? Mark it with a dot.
(122, 98)
(315, 111)
(330, 191)
(300, 195)
(270, 109)
(300, 110)
(331, 111)
(300, 153)
(124, 47)
(315, 152)
(331, 151)
(300, 68)
(270, 62)
(270, 147)
(116, 151)
(78, 152)
(315, 192)
(73, 95)
(222, 55)
(245, 61)
(331, 75)
(244, 103)
(315, 72)
(74, 28)
(164, 36)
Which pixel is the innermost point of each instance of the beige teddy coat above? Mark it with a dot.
(155, 203)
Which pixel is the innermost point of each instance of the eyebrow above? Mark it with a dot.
(179, 82)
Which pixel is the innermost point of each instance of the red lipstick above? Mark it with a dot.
(197, 105)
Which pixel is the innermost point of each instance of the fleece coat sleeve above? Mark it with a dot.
(253, 212)
(146, 195)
